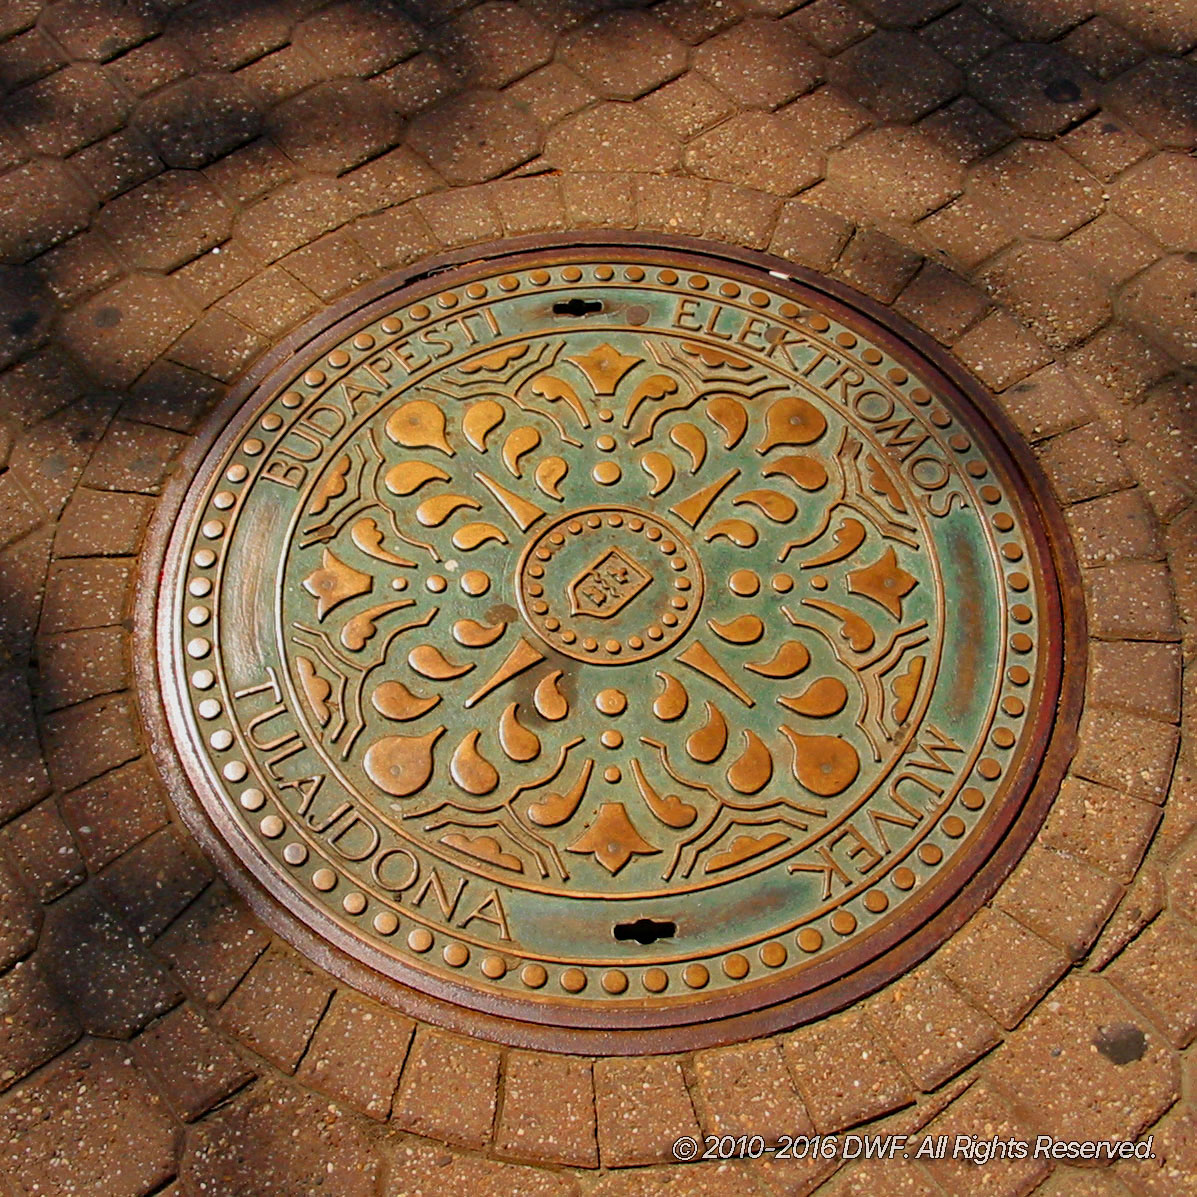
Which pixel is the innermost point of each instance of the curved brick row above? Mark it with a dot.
(183, 187)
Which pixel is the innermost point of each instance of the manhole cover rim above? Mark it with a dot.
(753, 1010)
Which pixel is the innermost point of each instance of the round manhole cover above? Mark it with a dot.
(616, 647)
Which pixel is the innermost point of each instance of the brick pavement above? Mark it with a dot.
(182, 183)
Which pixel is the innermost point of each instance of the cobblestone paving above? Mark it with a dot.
(182, 183)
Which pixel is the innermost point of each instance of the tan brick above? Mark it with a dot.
(354, 39)
(111, 814)
(475, 136)
(1111, 249)
(357, 1054)
(132, 457)
(612, 136)
(1174, 1168)
(688, 105)
(421, 1169)
(624, 54)
(844, 1073)
(1108, 829)
(830, 25)
(199, 119)
(529, 205)
(1114, 527)
(547, 1113)
(1157, 99)
(1136, 676)
(448, 1090)
(1102, 47)
(809, 236)
(1124, 750)
(392, 178)
(36, 1024)
(40, 205)
(747, 1090)
(643, 1107)
(42, 849)
(1003, 968)
(20, 917)
(271, 302)
(398, 236)
(496, 43)
(1000, 351)
(459, 217)
(1083, 463)
(552, 92)
(69, 109)
(941, 303)
(418, 83)
(23, 775)
(759, 63)
(965, 131)
(598, 200)
(756, 149)
(1158, 973)
(1157, 302)
(740, 216)
(1132, 601)
(292, 216)
(966, 230)
(1038, 90)
(877, 265)
(896, 75)
(330, 266)
(218, 346)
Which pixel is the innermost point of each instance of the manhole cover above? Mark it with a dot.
(617, 647)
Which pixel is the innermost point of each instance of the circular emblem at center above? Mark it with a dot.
(610, 585)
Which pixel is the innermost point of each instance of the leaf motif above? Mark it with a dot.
(480, 420)
(433, 512)
(367, 535)
(670, 809)
(714, 358)
(362, 627)
(557, 390)
(401, 765)
(315, 688)
(554, 809)
(652, 389)
(496, 360)
(408, 476)
(792, 421)
(331, 485)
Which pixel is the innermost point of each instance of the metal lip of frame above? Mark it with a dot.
(927, 922)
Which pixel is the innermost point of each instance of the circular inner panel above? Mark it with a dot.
(611, 638)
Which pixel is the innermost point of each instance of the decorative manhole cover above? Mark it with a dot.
(611, 639)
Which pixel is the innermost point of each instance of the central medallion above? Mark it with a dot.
(612, 639)
(631, 601)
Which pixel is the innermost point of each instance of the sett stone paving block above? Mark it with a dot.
(392, 179)
(45, 855)
(1038, 90)
(830, 25)
(932, 1031)
(529, 205)
(448, 1090)
(1167, 26)
(1122, 749)
(475, 136)
(19, 515)
(844, 1073)
(41, 384)
(1158, 973)
(643, 1107)
(152, 882)
(598, 200)
(552, 92)
(1182, 882)
(1159, 195)
(1060, 898)
(276, 1141)
(460, 217)
(78, 268)
(697, 20)
(964, 36)
(198, 119)
(81, 665)
(279, 76)
(276, 1007)
(1157, 98)
(1037, 190)
(217, 345)
(94, 29)
(69, 109)
(1114, 527)
(335, 126)
(418, 83)
(357, 39)
(85, 593)
(251, 172)
(1112, 250)
(1159, 302)
(612, 136)
(132, 457)
(113, 985)
(191, 1065)
(1036, 20)
(109, 1134)
(330, 266)
(688, 1180)
(357, 1054)
(20, 917)
(150, 66)
(896, 75)
(212, 945)
(398, 236)
(1132, 601)
(223, 34)
(1121, 361)
(420, 1169)
(122, 330)
(496, 43)
(1118, 1074)
(1002, 967)
(941, 302)
(271, 302)
(1000, 350)
(117, 163)
(1174, 1169)
(740, 216)
(756, 149)
(547, 1112)
(688, 105)
(747, 1090)
(23, 776)
(207, 278)
(827, 116)
(90, 738)
(35, 1023)
(759, 64)
(980, 1112)
(877, 265)
(292, 216)
(167, 221)
(964, 232)
(111, 814)
(809, 236)
(28, 57)
(40, 204)
(1048, 287)
(1109, 829)
(23, 565)
(1138, 676)
(966, 131)
(892, 174)
(1104, 145)
(1083, 463)
(624, 54)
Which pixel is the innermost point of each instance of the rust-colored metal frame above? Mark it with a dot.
(818, 991)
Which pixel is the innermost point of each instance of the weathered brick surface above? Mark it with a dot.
(643, 1106)
(547, 1112)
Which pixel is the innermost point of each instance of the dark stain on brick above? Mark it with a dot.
(1122, 1043)
(1062, 91)
(107, 317)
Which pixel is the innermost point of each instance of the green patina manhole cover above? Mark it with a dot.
(624, 646)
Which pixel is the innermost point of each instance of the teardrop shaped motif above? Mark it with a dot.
(805, 472)
(401, 765)
(792, 421)
(672, 702)
(730, 415)
(470, 769)
(480, 420)
(824, 697)
(548, 700)
(472, 536)
(428, 661)
(753, 768)
(825, 765)
(549, 474)
(744, 629)
(790, 658)
(472, 634)
(517, 741)
(419, 424)
(706, 744)
(739, 532)
(395, 701)
(691, 439)
(433, 512)
(778, 507)
(408, 476)
(660, 469)
(519, 442)
(555, 808)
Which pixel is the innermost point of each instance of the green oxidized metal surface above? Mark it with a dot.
(609, 638)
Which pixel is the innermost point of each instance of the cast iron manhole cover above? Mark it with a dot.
(616, 647)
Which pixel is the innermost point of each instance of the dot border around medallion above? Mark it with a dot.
(509, 1000)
